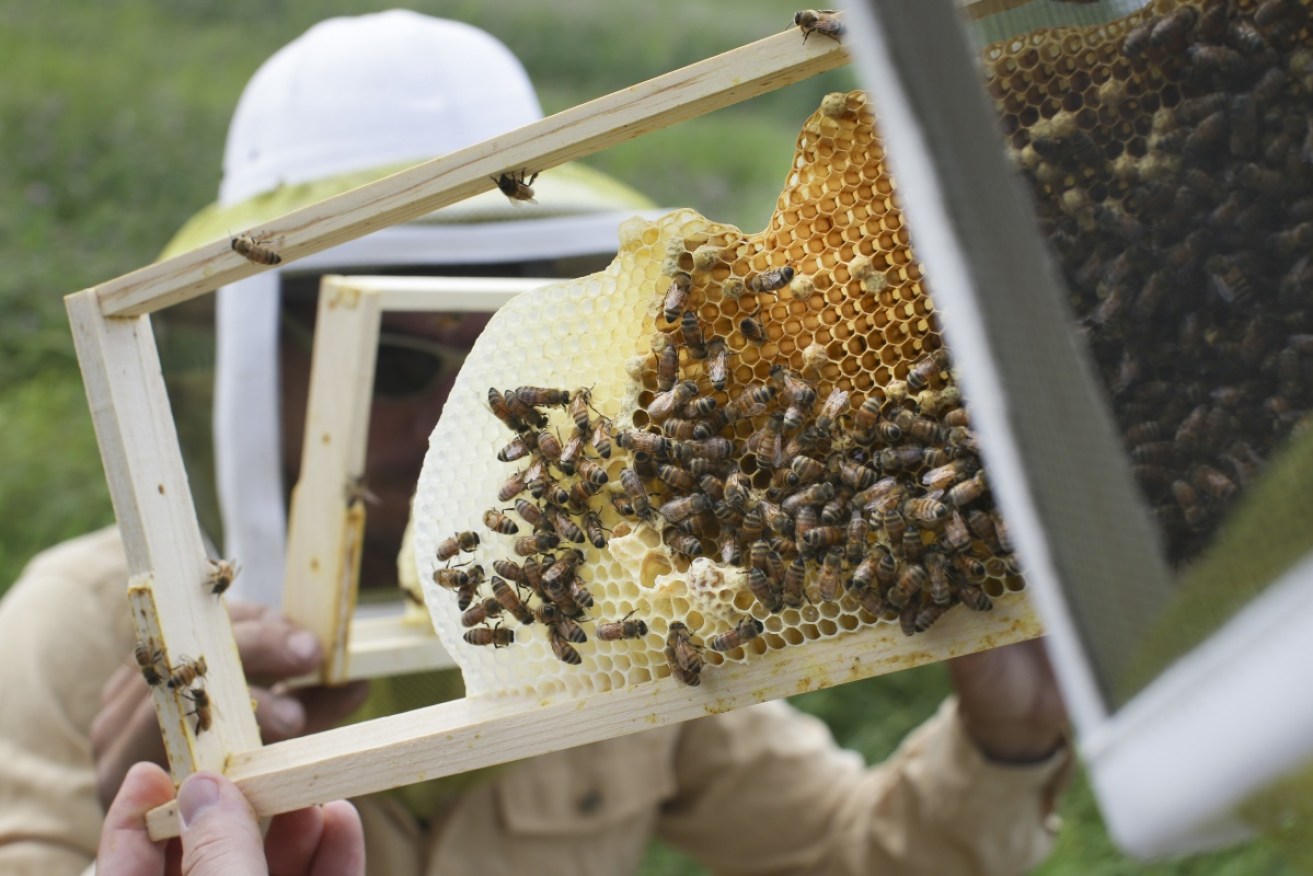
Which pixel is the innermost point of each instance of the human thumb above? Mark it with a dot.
(220, 834)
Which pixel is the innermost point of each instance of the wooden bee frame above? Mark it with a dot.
(152, 500)
(329, 503)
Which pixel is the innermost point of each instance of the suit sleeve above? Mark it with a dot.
(766, 790)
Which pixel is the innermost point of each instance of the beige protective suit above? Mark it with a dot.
(762, 790)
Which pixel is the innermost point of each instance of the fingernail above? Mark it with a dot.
(288, 714)
(303, 645)
(198, 793)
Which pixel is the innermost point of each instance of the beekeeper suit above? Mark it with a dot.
(760, 790)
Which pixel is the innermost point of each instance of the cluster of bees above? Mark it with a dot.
(1171, 156)
(882, 503)
(543, 586)
(187, 676)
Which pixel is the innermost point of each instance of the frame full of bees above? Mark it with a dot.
(868, 399)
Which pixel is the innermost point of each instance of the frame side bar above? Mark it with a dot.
(686, 93)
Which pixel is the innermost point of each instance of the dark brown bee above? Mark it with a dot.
(770, 281)
(1154, 453)
(815, 494)
(580, 596)
(524, 412)
(766, 590)
(829, 581)
(602, 438)
(827, 22)
(148, 660)
(1173, 28)
(567, 628)
(925, 369)
(678, 509)
(805, 470)
(580, 402)
(645, 442)
(499, 522)
(747, 630)
(1205, 136)
(968, 491)
(893, 459)
(764, 443)
(752, 329)
(204, 708)
(678, 478)
(824, 537)
(749, 403)
(466, 593)
(455, 577)
(868, 598)
(542, 397)
(691, 330)
(912, 543)
(1213, 482)
(249, 249)
(1137, 39)
(221, 575)
(622, 629)
(549, 445)
(926, 615)
(859, 536)
(941, 586)
(718, 367)
(957, 535)
(516, 185)
(893, 523)
(699, 407)
(835, 512)
(684, 543)
(565, 525)
(497, 404)
(480, 612)
(927, 511)
(592, 472)
(1272, 12)
(561, 647)
(925, 430)
(517, 449)
(974, 598)
(186, 672)
(944, 476)
(679, 643)
(667, 367)
(665, 404)
(794, 388)
(709, 448)
(738, 491)
(594, 530)
(497, 637)
(461, 541)
(571, 454)
(972, 568)
(793, 582)
(911, 582)
(528, 545)
(676, 295)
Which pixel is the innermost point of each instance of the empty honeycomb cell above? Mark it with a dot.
(993, 587)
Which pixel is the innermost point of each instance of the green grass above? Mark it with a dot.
(112, 121)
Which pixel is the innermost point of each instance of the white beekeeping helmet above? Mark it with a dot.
(351, 100)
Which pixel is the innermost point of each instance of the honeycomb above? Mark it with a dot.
(1170, 154)
(789, 457)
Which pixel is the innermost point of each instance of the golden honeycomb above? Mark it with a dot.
(862, 497)
(1171, 158)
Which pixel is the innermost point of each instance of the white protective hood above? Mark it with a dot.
(350, 100)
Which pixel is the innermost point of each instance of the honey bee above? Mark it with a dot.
(497, 637)
(506, 597)
(926, 368)
(221, 575)
(567, 628)
(752, 329)
(527, 545)
(676, 295)
(824, 537)
(1272, 12)
(522, 411)
(684, 543)
(941, 586)
(571, 453)
(795, 577)
(829, 581)
(461, 541)
(718, 367)
(187, 672)
(678, 509)
(911, 582)
(815, 494)
(771, 280)
(499, 522)
(516, 185)
(645, 442)
(148, 660)
(925, 430)
(481, 611)
(967, 491)
(698, 408)
(926, 510)
(972, 568)
(517, 449)
(602, 437)
(767, 590)
(513, 486)
(455, 577)
(592, 473)
(665, 404)
(204, 708)
(249, 249)
(708, 448)
(624, 628)
(562, 648)
(731, 552)
(679, 642)
(1205, 136)
(497, 404)
(957, 535)
(944, 476)
(691, 330)
(827, 22)
(1137, 39)
(974, 598)
(893, 459)
(1213, 482)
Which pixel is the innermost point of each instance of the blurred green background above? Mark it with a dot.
(112, 121)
